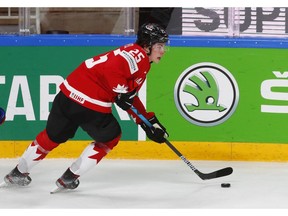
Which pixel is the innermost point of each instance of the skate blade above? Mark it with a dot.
(57, 190)
(3, 184)
(8, 185)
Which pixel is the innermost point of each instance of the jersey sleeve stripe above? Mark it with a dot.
(80, 97)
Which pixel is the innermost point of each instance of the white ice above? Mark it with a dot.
(152, 184)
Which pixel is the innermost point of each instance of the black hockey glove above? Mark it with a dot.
(125, 101)
(157, 133)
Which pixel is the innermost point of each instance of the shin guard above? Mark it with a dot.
(92, 155)
(36, 152)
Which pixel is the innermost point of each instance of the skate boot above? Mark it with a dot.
(68, 180)
(15, 177)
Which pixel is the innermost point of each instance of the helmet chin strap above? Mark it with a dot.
(149, 49)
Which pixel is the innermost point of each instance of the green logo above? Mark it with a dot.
(206, 94)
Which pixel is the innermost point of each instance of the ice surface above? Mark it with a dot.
(168, 185)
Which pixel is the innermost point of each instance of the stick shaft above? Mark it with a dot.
(180, 155)
(172, 147)
(204, 176)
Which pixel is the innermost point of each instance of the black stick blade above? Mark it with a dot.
(219, 173)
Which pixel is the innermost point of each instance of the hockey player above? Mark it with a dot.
(85, 100)
(2, 116)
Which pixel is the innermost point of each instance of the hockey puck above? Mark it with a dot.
(225, 185)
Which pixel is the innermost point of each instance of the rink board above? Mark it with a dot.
(255, 131)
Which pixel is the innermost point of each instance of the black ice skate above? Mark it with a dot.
(15, 177)
(68, 180)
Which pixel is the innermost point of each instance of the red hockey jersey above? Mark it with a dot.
(97, 81)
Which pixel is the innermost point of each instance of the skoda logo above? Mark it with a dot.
(206, 94)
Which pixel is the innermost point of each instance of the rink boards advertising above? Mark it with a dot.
(242, 106)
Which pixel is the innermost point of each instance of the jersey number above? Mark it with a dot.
(91, 62)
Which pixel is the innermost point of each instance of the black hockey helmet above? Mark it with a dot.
(151, 33)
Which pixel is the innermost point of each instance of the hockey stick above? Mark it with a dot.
(204, 176)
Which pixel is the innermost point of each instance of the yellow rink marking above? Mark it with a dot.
(150, 150)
